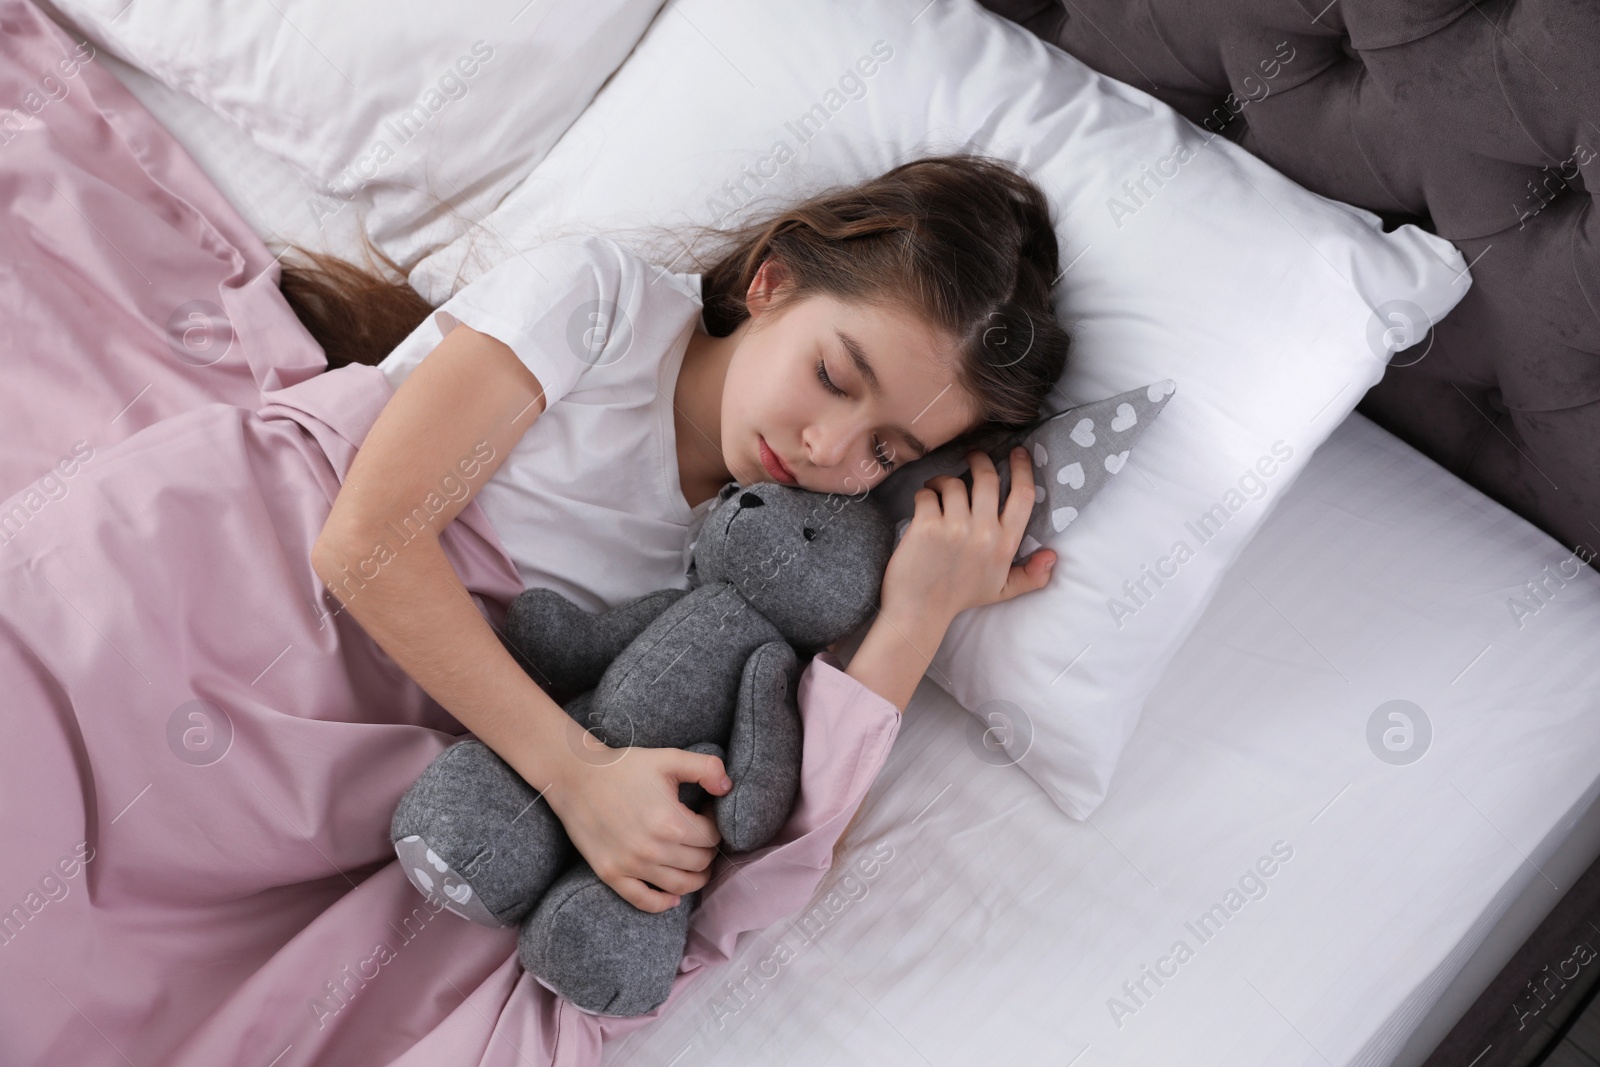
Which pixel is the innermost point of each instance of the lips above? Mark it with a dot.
(774, 465)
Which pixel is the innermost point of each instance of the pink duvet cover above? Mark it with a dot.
(201, 754)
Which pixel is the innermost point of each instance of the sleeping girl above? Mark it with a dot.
(594, 404)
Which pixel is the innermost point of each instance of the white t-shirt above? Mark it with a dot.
(588, 503)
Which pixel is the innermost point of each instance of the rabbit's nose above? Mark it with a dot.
(750, 500)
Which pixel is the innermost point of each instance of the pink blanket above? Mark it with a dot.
(202, 756)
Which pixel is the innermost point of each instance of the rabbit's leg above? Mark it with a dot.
(589, 945)
(476, 838)
(763, 751)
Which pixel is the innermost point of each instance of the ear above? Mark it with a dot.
(770, 277)
(726, 491)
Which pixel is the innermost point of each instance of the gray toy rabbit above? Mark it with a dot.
(712, 669)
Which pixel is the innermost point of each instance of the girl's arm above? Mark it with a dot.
(458, 415)
(955, 554)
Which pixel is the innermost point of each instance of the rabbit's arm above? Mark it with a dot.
(567, 649)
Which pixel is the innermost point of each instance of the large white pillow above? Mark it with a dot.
(1260, 299)
(388, 107)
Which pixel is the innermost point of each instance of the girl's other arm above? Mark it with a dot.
(458, 415)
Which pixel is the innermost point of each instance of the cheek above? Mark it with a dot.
(742, 393)
(764, 389)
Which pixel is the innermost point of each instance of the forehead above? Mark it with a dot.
(916, 364)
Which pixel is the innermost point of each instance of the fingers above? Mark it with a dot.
(952, 494)
(985, 484)
(679, 869)
(700, 831)
(1019, 504)
(685, 827)
(698, 767)
(1030, 575)
(688, 858)
(642, 896)
(677, 881)
(708, 772)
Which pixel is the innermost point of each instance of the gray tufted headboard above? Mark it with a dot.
(1478, 120)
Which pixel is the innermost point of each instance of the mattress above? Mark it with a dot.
(972, 922)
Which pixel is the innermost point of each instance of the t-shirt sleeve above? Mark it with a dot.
(558, 306)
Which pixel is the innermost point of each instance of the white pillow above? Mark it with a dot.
(1257, 297)
(391, 106)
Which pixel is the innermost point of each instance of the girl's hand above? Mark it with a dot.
(956, 553)
(620, 808)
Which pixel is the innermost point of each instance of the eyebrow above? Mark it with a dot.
(864, 368)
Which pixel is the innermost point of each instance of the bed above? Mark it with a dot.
(994, 929)
(1338, 904)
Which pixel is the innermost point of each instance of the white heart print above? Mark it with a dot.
(1040, 456)
(459, 893)
(422, 879)
(1083, 433)
(1062, 517)
(1114, 462)
(1160, 389)
(1038, 494)
(438, 864)
(1125, 417)
(1071, 474)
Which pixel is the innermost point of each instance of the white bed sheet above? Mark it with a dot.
(972, 922)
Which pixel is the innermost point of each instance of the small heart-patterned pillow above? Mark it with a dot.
(1074, 453)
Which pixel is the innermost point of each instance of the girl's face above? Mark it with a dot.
(897, 395)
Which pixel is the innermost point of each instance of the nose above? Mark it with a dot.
(828, 444)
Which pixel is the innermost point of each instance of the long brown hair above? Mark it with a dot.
(358, 314)
(965, 242)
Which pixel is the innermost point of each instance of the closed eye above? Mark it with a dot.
(878, 452)
(827, 382)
